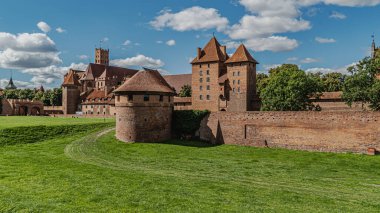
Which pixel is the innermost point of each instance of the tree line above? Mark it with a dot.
(51, 97)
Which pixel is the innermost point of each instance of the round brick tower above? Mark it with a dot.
(144, 107)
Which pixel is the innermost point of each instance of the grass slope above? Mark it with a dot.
(16, 121)
(97, 173)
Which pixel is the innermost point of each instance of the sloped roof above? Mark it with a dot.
(71, 79)
(241, 55)
(178, 81)
(211, 52)
(146, 81)
(96, 70)
(11, 85)
(98, 94)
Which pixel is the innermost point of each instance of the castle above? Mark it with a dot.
(219, 83)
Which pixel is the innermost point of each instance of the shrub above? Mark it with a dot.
(187, 121)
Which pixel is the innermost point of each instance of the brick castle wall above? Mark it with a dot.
(315, 131)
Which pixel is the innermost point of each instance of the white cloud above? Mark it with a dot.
(83, 57)
(60, 30)
(43, 26)
(127, 42)
(292, 59)
(194, 18)
(105, 39)
(309, 60)
(325, 40)
(337, 15)
(139, 61)
(170, 42)
(19, 84)
(330, 70)
(159, 42)
(26, 50)
(272, 43)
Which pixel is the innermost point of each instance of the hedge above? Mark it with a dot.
(187, 121)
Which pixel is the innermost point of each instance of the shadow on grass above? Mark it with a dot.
(198, 144)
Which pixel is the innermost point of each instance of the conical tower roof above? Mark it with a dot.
(211, 52)
(11, 85)
(146, 81)
(241, 55)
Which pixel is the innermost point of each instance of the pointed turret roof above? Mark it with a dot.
(211, 52)
(71, 79)
(146, 81)
(11, 85)
(241, 55)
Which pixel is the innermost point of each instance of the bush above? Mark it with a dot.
(187, 121)
(33, 134)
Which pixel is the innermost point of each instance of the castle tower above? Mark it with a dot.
(11, 85)
(102, 56)
(70, 93)
(144, 107)
(207, 68)
(241, 74)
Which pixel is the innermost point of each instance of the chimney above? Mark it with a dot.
(224, 50)
(199, 52)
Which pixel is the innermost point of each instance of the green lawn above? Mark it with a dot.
(16, 121)
(85, 172)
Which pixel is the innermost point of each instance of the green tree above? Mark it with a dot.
(290, 89)
(333, 82)
(261, 82)
(362, 86)
(185, 91)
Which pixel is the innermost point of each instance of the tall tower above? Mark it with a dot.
(241, 73)
(11, 85)
(70, 93)
(207, 68)
(102, 56)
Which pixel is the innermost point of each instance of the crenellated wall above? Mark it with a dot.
(316, 131)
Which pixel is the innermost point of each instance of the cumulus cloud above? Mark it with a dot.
(20, 84)
(330, 70)
(170, 42)
(194, 18)
(325, 40)
(337, 15)
(309, 60)
(43, 26)
(26, 50)
(138, 61)
(83, 57)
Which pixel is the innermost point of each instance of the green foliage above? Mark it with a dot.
(362, 86)
(33, 134)
(49, 97)
(333, 82)
(187, 121)
(261, 82)
(185, 91)
(290, 89)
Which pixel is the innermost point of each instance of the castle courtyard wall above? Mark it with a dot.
(314, 131)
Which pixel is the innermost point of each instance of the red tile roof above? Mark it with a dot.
(211, 52)
(241, 55)
(146, 81)
(96, 70)
(178, 81)
(71, 78)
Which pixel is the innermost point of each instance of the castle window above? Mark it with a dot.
(238, 81)
(92, 106)
(233, 82)
(208, 87)
(233, 90)
(201, 73)
(130, 97)
(208, 97)
(200, 88)
(208, 72)
(201, 97)
(161, 98)
(208, 65)
(118, 98)
(201, 80)
(239, 89)
(169, 98)
(146, 97)
(233, 74)
(200, 66)
(208, 79)
(238, 73)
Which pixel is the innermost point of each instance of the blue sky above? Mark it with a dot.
(41, 39)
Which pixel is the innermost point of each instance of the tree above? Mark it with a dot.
(362, 86)
(185, 91)
(261, 82)
(290, 89)
(333, 82)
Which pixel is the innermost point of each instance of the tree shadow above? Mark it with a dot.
(198, 144)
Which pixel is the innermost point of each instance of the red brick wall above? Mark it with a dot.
(317, 131)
